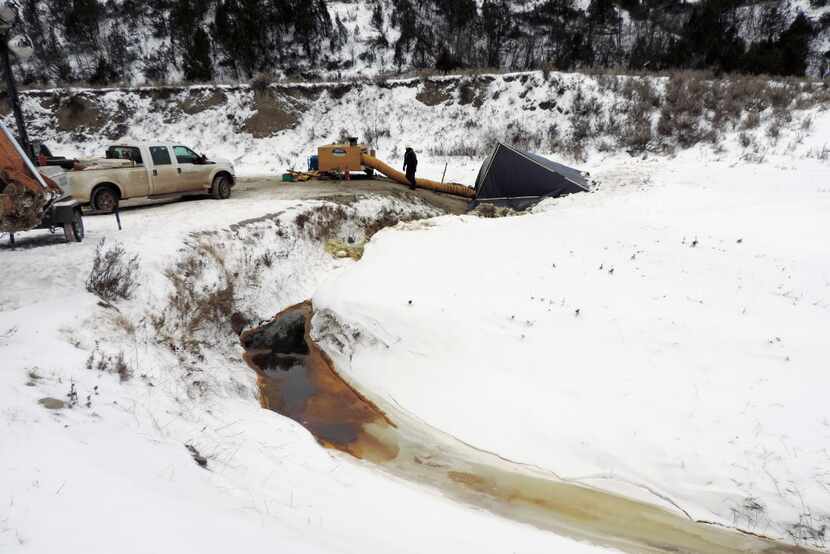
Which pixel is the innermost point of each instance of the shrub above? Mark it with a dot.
(109, 363)
(685, 92)
(781, 95)
(553, 137)
(373, 133)
(822, 153)
(203, 299)
(457, 149)
(640, 89)
(638, 135)
(114, 273)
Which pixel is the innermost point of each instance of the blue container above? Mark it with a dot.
(313, 163)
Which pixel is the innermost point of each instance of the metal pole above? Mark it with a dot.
(13, 98)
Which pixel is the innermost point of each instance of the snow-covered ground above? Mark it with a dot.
(666, 334)
(113, 472)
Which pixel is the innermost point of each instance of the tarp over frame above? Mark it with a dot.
(515, 178)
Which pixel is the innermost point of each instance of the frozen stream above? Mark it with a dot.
(298, 380)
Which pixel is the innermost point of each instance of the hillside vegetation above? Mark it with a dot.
(271, 127)
(98, 42)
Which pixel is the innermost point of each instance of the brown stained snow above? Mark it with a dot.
(300, 383)
(298, 380)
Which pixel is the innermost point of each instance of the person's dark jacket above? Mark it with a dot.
(410, 161)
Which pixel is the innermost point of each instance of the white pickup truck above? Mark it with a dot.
(147, 171)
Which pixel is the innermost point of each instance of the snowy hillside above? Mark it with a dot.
(92, 41)
(452, 120)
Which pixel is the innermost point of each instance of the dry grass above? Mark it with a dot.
(460, 149)
(114, 274)
(322, 222)
(202, 301)
(109, 363)
(121, 322)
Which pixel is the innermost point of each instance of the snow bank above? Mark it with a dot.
(668, 336)
(113, 472)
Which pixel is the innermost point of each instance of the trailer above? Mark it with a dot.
(32, 199)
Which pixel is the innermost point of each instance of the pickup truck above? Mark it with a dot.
(147, 171)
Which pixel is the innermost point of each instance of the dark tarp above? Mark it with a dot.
(510, 177)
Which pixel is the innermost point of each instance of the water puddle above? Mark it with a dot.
(298, 380)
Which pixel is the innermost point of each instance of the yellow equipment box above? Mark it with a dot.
(343, 157)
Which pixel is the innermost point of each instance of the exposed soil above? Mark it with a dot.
(299, 381)
(473, 92)
(80, 112)
(199, 100)
(273, 114)
(434, 93)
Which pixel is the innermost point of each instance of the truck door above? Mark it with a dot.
(194, 176)
(133, 180)
(164, 175)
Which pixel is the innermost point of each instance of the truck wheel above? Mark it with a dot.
(74, 230)
(105, 199)
(221, 188)
(369, 171)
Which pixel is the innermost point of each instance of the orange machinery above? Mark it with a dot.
(31, 200)
(352, 156)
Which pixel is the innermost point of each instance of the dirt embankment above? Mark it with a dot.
(259, 110)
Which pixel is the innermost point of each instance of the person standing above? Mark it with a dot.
(410, 164)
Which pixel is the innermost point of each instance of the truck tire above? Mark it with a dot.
(105, 199)
(74, 231)
(221, 188)
(370, 172)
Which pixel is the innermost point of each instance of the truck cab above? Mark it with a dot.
(148, 171)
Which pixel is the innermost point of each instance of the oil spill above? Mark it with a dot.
(298, 380)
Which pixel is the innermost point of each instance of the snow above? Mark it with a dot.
(516, 107)
(694, 371)
(116, 474)
(665, 334)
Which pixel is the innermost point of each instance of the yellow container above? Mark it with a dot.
(342, 157)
